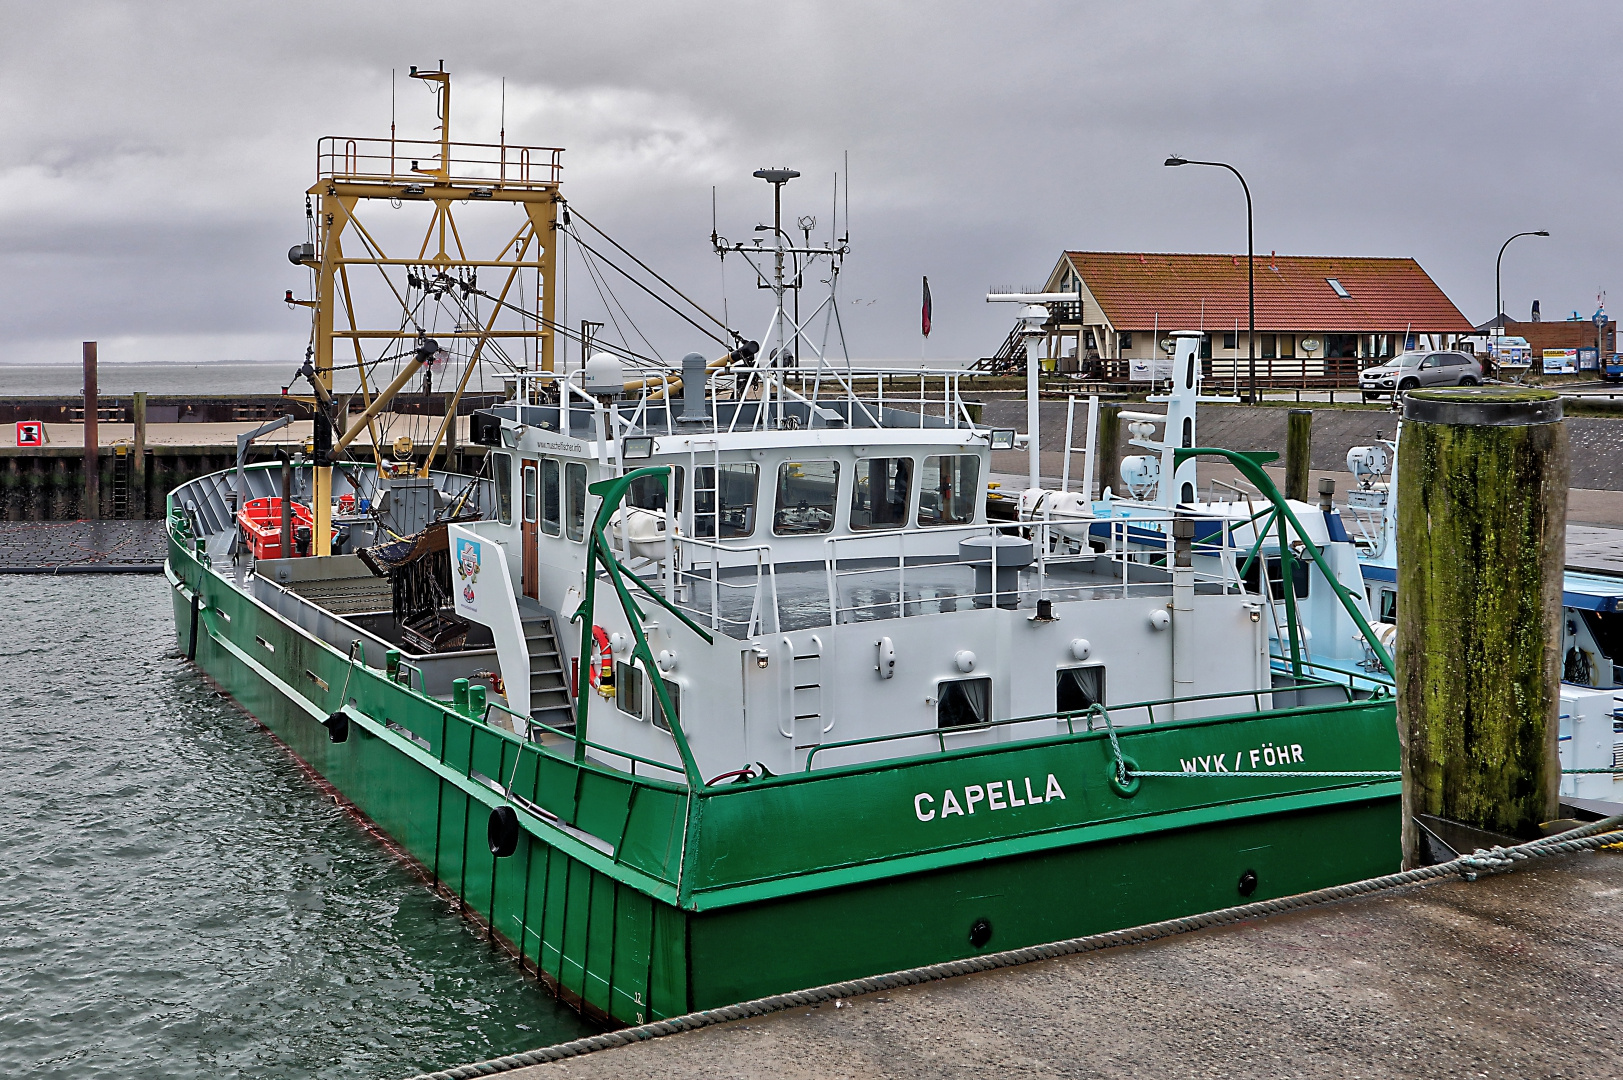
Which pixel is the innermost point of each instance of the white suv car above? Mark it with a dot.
(1411, 370)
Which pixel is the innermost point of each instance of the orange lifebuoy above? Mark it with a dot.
(600, 672)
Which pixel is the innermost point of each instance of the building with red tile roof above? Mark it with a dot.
(1316, 315)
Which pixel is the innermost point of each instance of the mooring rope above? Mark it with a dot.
(1603, 833)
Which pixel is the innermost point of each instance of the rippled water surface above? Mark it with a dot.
(177, 898)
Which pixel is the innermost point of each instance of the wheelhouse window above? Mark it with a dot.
(947, 490)
(808, 492)
(1078, 689)
(648, 492)
(529, 493)
(963, 703)
(734, 489)
(1276, 577)
(551, 519)
(575, 492)
(628, 688)
(501, 469)
(1389, 607)
(880, 493)
(676, 705)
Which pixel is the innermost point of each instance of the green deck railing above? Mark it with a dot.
(1250, 466)
(599, 551)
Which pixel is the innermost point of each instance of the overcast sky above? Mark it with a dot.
(153, 157)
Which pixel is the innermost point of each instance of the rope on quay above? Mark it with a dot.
(1597, 834)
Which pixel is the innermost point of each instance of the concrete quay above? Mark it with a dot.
(1513, 975)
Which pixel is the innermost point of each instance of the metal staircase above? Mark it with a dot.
(549, 685)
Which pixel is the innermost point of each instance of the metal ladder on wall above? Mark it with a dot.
(123, 465)
(806, 705)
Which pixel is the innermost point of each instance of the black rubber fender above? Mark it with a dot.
(337, 725)
(503, 831)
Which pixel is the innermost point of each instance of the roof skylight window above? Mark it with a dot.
(1339, 289)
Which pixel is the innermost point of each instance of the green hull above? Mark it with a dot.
(638, 900)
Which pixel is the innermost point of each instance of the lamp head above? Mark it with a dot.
(1175, 160)
(1542, 232)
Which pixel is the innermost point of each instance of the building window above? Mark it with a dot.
(1338, 289)
(575, 489)
(501, 468)
(1268, 346)
(1078, 689)
(551, 519)
(1287, 346)
(628, 688)
(1125, 342)
(1231, 342)
(676, 705)
(734, 489)
(879, 494)
(1340, 345)
(963, 703)
(1206, 346)
(948, 489)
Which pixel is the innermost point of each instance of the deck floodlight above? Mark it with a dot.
(413, 189)
(483, 193)
(1003, 438)
(638, 448)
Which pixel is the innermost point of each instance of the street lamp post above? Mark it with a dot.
(1250, 267)
(1498, 302)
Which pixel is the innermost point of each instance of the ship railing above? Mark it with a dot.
(416, 161)
(1088, 715)
(1053, 539)
(706, 567)
(526, 727)
(894, 399)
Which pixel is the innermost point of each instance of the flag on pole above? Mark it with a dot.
(926, 307)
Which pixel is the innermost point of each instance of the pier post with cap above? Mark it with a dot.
(91, 506)
(1110, 448)
(1298, 451)
(1481, 541)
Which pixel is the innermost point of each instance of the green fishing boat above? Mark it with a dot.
(710, 680)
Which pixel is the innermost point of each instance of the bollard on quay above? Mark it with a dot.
(1481, 543)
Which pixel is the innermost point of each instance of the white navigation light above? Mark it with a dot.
(964, 661)
(666, 660)
(1160, 619)
(1080, 649)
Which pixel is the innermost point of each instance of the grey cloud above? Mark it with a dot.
(155, 155)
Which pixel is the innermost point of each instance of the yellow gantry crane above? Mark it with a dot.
(396, 302)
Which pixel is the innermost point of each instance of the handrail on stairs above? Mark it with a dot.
(612, 492)
(1250, 463)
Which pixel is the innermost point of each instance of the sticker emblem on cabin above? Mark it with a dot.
(992, 795)
(467, 570)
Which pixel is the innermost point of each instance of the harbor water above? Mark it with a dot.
(179, 899)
